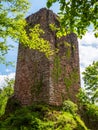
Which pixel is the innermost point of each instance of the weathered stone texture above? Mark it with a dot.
(53, 80)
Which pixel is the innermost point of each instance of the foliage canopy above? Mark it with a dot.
(90, 76)
(13, 25)
(11, 22)
(77, 15)
(5, 93)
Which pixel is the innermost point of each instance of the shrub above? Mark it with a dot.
(33, 118)
(65, 121)
(5, 93)
(69, 106)
(80, 123)
(92, 112)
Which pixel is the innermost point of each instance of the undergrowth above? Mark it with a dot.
(44, 117)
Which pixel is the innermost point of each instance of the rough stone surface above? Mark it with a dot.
(53, 80)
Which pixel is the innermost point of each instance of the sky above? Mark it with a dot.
(88, 47)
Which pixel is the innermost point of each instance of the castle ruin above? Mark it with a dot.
(53, 80)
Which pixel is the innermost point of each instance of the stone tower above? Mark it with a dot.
(39, 79)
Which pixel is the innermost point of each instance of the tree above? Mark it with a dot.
(77, 15)
(90, 76)
(11, 22)
(5, 93)
(13, 25)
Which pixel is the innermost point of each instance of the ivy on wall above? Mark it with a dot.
(57, 70)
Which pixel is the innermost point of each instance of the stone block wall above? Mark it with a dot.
(39, 79)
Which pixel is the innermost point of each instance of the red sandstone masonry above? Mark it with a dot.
(35, 81)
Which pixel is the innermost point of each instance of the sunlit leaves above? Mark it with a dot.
(12, 13)
(5, 93)
(77, 15)
(90, 76)
(13, 25)
(34, 41)
(59, 31)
